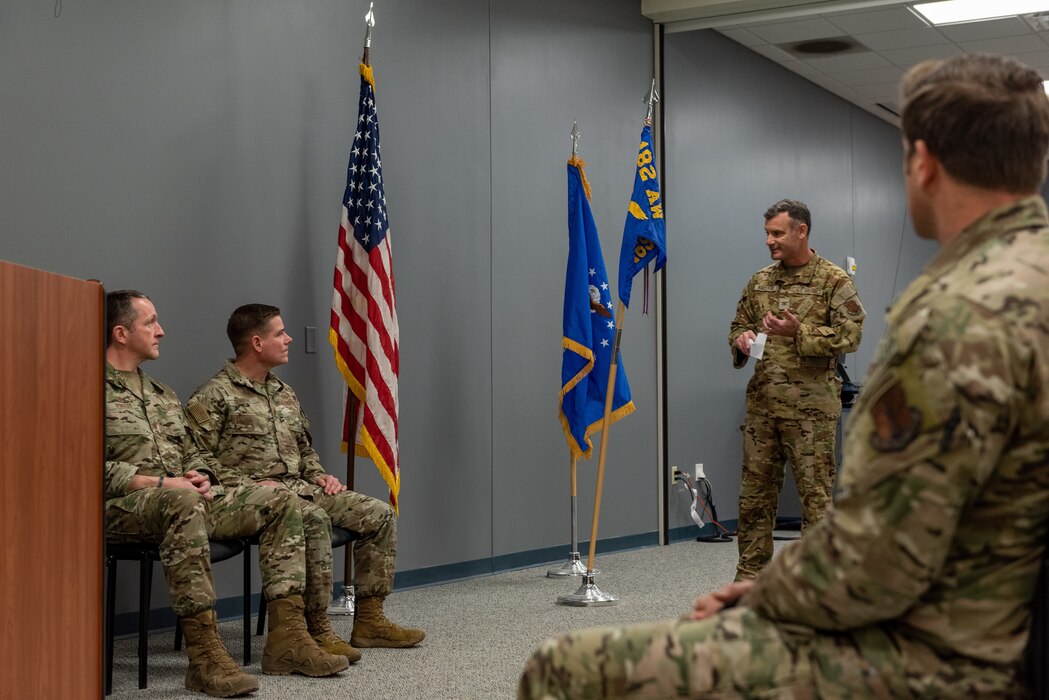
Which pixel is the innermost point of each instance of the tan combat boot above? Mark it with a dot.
(211, 670)
(320, 629)
(289, 646)
(371, 627)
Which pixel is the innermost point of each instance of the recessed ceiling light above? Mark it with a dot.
(955, 11)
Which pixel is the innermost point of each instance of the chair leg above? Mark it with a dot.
(111, 600)
(262, 614)
(144, 589)
(178, 636)
(247, 603)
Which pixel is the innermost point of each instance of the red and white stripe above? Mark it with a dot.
(364, 333)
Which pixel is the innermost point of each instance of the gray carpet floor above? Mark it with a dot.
(479, 631)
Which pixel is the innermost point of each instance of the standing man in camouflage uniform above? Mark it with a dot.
(159, 488)
(809, 309)
(251, 421)
(918, 581)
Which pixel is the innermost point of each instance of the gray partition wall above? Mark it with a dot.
(196, 149)
(742, 133)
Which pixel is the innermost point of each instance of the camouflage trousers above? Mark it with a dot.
(180, 522)
(374, 550)
(767, 444)
(735, 654)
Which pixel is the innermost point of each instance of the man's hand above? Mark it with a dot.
(331, 485)
(711, 603)
(743, 340)
(192, 480)
(787, 326)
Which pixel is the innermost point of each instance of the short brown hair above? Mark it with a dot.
(985, 117)
(797, 211)
(120, 310)
(246, 321)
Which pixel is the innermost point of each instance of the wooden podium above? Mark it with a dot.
(51, 420)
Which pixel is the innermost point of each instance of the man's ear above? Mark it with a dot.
(256, 343)
(803, 230)
(120, 334)
(925, 166)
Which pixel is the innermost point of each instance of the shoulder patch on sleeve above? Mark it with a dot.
(199, 416)
(896, 423)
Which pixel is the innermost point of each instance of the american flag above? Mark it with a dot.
(363, 309)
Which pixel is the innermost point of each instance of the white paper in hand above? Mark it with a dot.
(757, 346)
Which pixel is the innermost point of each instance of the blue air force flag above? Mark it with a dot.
(589, 328)
(645, 231)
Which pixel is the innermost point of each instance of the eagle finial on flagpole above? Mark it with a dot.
(651, 99)
(369, 21)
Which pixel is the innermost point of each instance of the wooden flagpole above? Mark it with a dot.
(609, 394)
(588, 593)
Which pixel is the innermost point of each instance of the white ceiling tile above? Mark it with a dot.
(905, 58)
(795, 30)
(803, 70)
(876, 20)
(839, 90)
(902, 38)
(771, 52)
(1039, 60)
(742, 36)
(1008, 45)
(846, 62)
(973, 31)
(879, 93)
(872, 76)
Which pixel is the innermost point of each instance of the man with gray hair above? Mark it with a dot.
(919, 581)
(810, 313)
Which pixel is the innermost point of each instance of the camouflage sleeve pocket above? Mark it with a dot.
(118, 426)
(803, 308)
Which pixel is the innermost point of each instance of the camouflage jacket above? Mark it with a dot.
(259, 429)
(796, 378)
(148, 436)
(929, 556)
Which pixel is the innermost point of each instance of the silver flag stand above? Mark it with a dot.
(573, 567)
(588, 595)
(346, 604)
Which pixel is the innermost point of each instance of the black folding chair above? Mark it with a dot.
(146, 554)
(340, 537)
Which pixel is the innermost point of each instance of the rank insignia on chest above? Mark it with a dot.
(784, 304)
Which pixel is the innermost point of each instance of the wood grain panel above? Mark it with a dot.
(51, 413)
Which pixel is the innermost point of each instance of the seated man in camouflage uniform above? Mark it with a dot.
(159, 488)
(918, 582)
(251, 421)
